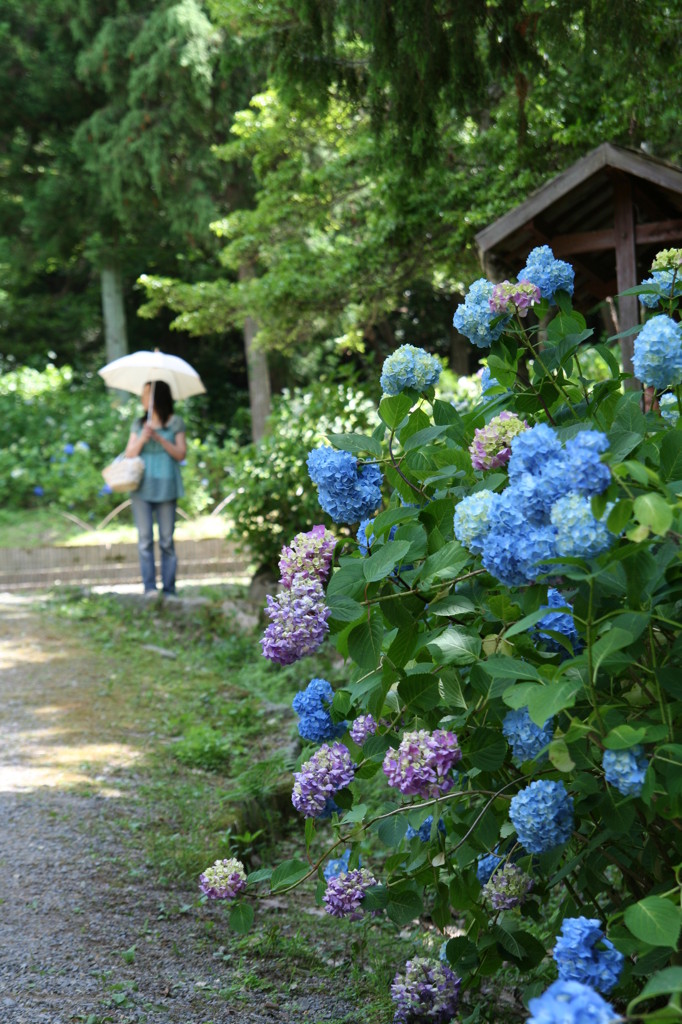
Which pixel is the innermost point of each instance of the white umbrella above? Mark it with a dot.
(132, 372)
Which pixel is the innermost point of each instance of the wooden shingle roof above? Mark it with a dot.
(608, 215)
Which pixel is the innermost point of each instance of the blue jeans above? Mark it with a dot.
(144, 513)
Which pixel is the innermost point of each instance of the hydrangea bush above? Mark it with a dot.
(512, 650)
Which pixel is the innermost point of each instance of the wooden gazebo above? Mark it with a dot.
(608, 215)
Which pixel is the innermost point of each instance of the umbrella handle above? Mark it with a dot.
(150, 407)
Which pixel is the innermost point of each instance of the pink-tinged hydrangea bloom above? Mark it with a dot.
(422, 765)
(362, 727)
(514, 298)
(309, 555)
(298, 622)
(346, 892)
(224, 880)
(328, 770)
(491, 447)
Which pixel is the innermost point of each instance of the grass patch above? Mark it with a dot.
(44, 527)
(220, 742)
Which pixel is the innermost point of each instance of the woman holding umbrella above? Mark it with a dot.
(159, 439)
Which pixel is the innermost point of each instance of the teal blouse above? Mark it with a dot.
(162, 480)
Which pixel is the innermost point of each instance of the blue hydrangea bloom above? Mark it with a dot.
(626, 769)
(559, 622)
(579, 958)
(516, 550)
(542, 815)
(366, 540)
(69, 449)
(473, 317)
(669, 408)
(327, 467)
(586, 472)
(409, 367)
(578, 533)
(346, 492)
(330, 807)
(315, 722)
(337, 866)
(38, 491)
(424, 830)
(549, 274)
(525, 737)
(472, 520)
(537, 451)
(487, 382)
(657, 359)
(664, 280)
(570, 1002)
(486, 865)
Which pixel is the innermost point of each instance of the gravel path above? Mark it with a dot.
(84, 935)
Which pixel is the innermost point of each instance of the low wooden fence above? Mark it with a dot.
(93, 564)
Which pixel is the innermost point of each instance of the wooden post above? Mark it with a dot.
(626, 269)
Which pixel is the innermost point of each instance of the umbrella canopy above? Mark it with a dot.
(132, 372)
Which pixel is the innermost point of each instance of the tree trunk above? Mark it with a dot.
(257, 371)
(113, 312)
(259, 380)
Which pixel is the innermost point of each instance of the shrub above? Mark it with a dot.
(448, 618)
(273, 498)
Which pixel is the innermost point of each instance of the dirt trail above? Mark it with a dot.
(84, 935)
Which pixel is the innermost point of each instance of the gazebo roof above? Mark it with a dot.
(612, 207)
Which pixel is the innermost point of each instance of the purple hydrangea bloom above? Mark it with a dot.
(347, 492)
(664, 279)
(472, 520)
(549, 274)
(514, 298)
(625, 770)
(315, 721)
(224, 880)
(525, 737)
(491, 447)
(422, 765)
(569, 1002)
(558, 622)
(309, 555)
(298, 623)
(427, 993)
(657, 359)
(586, 473)
(578, 533)
(328, 770)
(473, 318)
(346, 891)
(579, 958)
(542, 815)
(361, 728)
(486, 864)
(507, 887)
(409, 367)
(336, 866)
